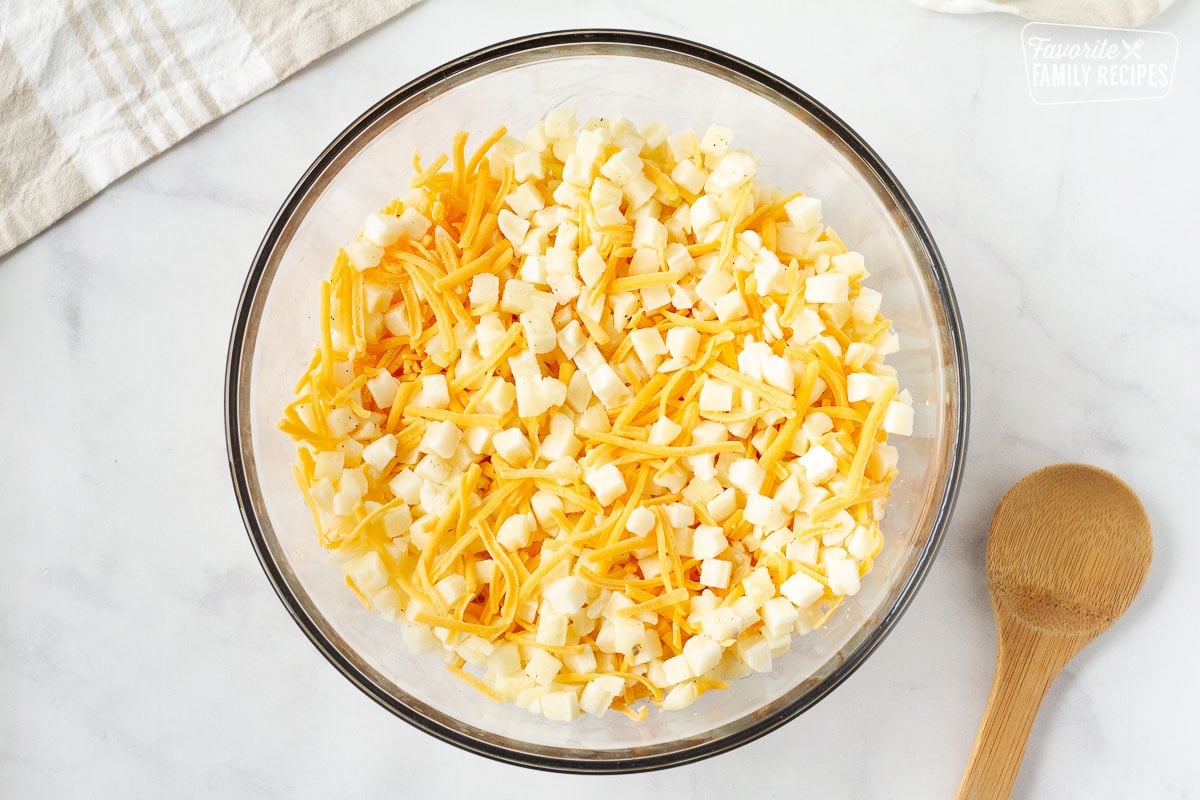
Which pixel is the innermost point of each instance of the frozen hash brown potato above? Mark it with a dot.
(599, 415)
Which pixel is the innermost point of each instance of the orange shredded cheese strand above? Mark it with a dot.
(660, 450)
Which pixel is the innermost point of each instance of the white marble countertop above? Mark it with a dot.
(144, 654)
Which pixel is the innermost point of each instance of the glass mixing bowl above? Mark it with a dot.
(642, 76)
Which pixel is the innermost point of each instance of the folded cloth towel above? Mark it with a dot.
(1103, 13)
(89, 89)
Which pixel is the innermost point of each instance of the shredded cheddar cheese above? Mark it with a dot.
(599, 414)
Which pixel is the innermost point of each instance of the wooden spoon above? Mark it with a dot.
(1069, 549)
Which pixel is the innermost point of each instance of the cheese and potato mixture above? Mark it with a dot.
(599, 415)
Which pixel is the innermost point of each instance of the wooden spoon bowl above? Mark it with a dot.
(1069, 548)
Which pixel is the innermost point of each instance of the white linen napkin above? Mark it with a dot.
(90, 89)
(1100, 13)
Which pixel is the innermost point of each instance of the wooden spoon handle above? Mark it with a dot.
(1027, 663)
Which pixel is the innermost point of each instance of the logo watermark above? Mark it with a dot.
(1079, 64)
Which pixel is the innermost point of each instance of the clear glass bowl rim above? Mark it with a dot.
(237, 422)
